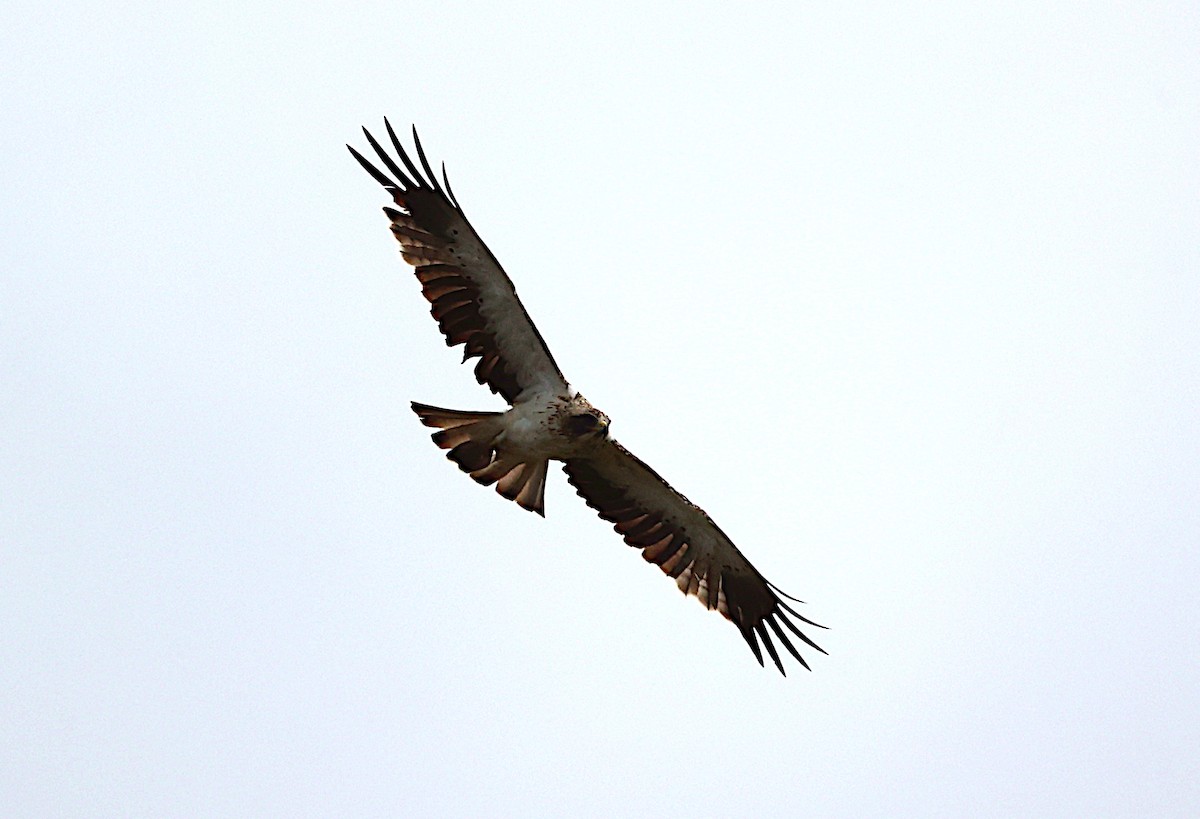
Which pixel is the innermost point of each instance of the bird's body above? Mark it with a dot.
(476, 305)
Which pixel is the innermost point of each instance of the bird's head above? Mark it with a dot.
(581, 419)
(593, 422)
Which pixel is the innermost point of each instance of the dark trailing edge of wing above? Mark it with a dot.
(430, 227)
(750, 602)
(513, 356)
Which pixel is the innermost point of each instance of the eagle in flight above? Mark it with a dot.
(475, 305)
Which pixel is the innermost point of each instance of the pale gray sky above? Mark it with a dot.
(908, 300)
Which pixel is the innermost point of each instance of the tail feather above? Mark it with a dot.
(532, 494)
(471, 456)
(512, 483)
(471, 440)
(496, 470)
(448, 418)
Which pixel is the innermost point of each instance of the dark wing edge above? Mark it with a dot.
(471, 297)
(682, 540)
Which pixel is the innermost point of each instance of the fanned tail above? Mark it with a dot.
(471, 438)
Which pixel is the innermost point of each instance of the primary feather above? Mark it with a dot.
(476, 306)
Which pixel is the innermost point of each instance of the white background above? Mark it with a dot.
(908, 300)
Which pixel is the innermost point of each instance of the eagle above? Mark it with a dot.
(476, 306)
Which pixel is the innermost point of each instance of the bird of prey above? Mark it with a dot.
(475, 305)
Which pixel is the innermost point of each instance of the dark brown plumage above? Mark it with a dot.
(476, 306)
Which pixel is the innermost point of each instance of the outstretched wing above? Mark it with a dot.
(474, 301)
(680, 538)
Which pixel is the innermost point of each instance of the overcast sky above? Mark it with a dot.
(909, 301)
